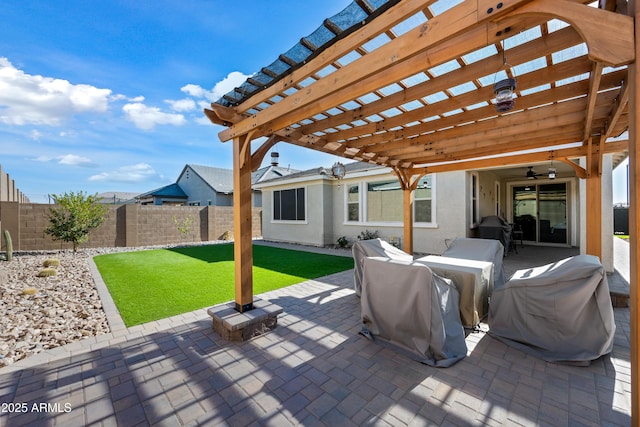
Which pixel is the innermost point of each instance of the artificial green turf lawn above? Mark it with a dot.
(151, 285)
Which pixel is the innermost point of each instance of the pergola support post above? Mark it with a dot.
(594, 208)
(409, 180)
(634, 217)
(243, 250)
(408, 219)
(230, 320)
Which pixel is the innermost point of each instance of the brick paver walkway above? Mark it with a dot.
(313, 369)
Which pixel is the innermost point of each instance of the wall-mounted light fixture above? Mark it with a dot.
(338, 170)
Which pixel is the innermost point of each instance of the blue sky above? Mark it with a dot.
(108, 96)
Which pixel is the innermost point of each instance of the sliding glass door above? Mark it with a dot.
(552, 202)
(540, 210)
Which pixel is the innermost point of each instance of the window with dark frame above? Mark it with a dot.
(289, 205)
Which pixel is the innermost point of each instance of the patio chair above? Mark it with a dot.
(559, 312)
(412, 309)
(480, 250)
(373, 248)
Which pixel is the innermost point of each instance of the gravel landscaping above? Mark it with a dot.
(40, 313)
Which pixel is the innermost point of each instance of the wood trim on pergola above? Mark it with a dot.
(412, 90)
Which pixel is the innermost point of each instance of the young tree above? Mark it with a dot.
(74, 216)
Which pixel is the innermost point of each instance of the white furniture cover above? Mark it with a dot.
(560, 312)
(473, 280)
(407, 306)
(480, 250)
(373, 248)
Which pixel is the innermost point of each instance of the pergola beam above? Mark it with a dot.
(521, 158)
(594, 85)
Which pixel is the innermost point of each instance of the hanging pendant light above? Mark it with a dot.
(504, 89)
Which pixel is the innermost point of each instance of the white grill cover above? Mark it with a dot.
(409, 307)
(373, 248)
(559, 312)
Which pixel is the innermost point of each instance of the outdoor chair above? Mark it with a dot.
(560, 312)
(408, 307)
(375, 248)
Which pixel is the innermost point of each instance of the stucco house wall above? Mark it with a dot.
(452, 202)
(326, 212)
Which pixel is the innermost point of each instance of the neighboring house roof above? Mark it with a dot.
(171, 190)
(221, 180)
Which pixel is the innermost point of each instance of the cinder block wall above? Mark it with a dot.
(124, 225)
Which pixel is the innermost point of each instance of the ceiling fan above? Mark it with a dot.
(531, 174)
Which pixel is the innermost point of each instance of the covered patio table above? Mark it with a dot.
(473, 280)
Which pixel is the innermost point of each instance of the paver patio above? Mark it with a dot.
(313, 369)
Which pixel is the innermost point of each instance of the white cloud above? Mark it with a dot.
(67, 159)
(132, 173)
(194, 90)
(186, 104)
(35, 135)
(34, 99)
(74, 160)
(233, 80)
(145, 117)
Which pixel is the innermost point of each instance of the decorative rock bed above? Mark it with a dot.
(39, 313)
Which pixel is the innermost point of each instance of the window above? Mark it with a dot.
(384, 201)
(422, 200)
(353, 203)
(289, 205)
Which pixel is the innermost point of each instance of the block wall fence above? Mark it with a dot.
(124, 225)
(8, 190)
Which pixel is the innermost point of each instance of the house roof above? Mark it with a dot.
(411, 85)
(320, 172)
(221, 180)
(171, 190)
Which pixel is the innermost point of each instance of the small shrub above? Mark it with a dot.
(184, 226)
(47, 272)
(343, 242)
(368, 235)
(51, 262)
(29, 291)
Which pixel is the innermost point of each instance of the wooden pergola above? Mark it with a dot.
(410, 87)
